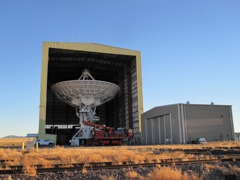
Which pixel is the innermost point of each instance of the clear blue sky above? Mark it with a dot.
(190, 50)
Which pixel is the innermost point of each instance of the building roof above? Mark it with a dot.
(186, 104)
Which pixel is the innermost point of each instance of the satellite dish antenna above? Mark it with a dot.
(85, 94)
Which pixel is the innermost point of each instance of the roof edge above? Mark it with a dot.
(48, 43)
(187, 105)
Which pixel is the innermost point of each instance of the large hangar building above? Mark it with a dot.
(185, 123)
(66, 61)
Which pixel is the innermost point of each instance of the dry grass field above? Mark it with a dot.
(48, 157)
(8, 142)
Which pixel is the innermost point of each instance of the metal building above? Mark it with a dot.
(185, 123)
(65, 61)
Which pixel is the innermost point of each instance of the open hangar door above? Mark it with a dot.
(68, 64)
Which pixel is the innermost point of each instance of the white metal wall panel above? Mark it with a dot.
(149, 131)
(155, 130)
(162, 129)
(168, 128)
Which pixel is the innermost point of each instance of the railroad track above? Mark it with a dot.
(109, 165)
(202, 151)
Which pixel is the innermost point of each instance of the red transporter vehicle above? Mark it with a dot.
(103, 135)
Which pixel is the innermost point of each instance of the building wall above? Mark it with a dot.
(184, 123)
(213, 122)
(160, 125)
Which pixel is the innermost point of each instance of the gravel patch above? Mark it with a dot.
(203, 171)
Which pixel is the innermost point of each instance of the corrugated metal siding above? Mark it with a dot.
(212, 122)
(184, 123)
(158, 130)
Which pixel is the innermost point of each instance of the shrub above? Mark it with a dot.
(168, 173)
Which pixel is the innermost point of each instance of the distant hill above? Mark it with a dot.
(13, 136)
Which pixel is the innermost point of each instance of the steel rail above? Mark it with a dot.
(109, 165)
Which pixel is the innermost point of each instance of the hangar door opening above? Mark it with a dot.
(65, 64)
(158, 130)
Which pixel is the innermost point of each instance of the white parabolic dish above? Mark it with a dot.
(78, 93)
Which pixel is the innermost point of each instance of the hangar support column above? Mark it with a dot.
(129, 95)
